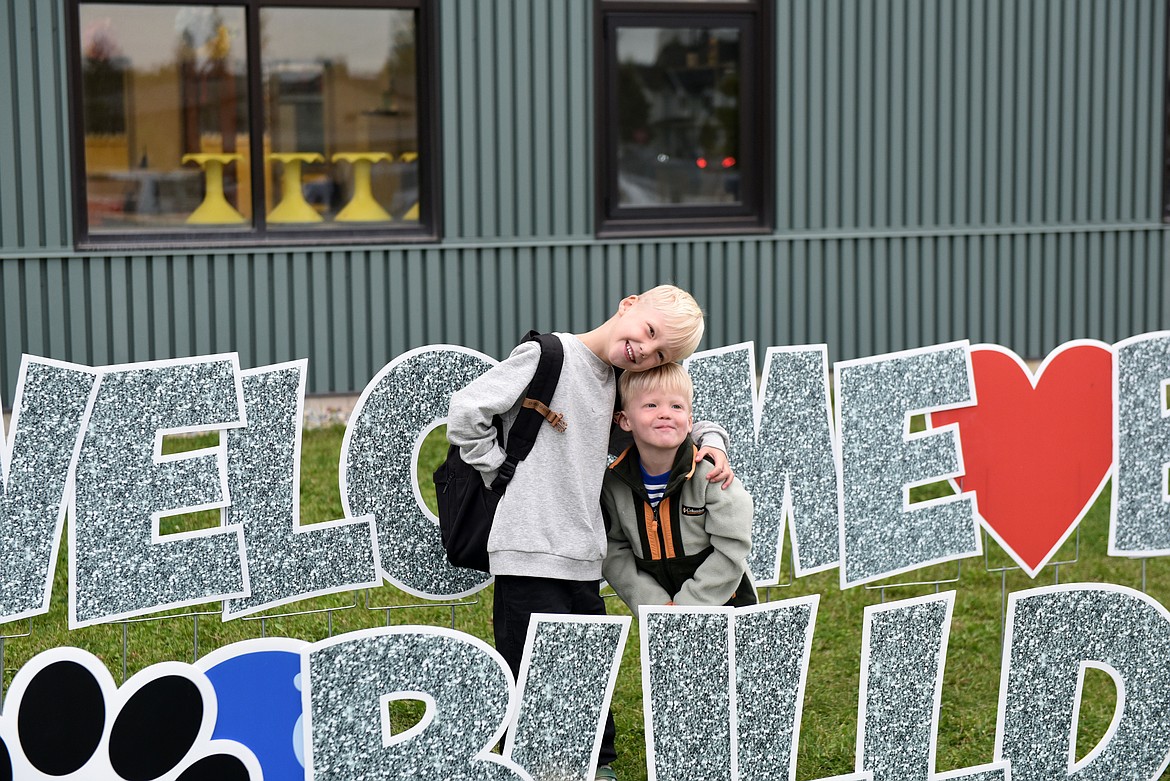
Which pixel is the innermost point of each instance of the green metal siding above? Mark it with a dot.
(920, 113)
(517, 119)
(981, 169)
(351, 312)
(34, 189)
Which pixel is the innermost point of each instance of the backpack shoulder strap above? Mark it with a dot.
(548, 373)
(534, 411)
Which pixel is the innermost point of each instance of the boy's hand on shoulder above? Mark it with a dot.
(721, 472)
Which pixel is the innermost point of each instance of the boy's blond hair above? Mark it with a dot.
(682, 319)
(670, 377)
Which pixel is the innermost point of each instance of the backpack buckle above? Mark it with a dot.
(505, 474)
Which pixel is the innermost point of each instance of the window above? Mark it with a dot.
(683, 119)
(270, 121)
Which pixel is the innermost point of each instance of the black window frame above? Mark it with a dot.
(428, 228)
(757, 140)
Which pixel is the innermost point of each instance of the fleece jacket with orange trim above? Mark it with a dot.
(691, 549)
(548, 523)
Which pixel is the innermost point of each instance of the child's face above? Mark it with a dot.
(636, 339)
(658, 418)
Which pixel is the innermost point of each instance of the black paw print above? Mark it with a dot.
(60, 719)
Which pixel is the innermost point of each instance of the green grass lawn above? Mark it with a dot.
(828, 730)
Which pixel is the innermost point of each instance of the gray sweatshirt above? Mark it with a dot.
(549, 523)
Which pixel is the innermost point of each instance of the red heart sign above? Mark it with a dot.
(1037, 450)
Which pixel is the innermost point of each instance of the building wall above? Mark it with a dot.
(34, 177)
(517, 119)
(897, 114)
(982, 169)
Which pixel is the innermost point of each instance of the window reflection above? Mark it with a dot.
(678, 116)
(169, 142)
(164, 103)
(340, 104)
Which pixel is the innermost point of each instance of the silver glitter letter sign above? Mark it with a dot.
(353, 681)
(1140, 506)
(1053, 635)
(686, 694)
(286, 561)
(782, 447)
(903, 650)
(48, 415)
(701, 724)
(882, 534)
(566, 682)
(773, 641)
(398, 408)
(119, 563)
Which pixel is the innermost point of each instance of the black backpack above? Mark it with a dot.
(466, 505)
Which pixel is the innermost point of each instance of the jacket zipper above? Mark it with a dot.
(656, 530)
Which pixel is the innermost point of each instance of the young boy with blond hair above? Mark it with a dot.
(548, 539)
(674, 539)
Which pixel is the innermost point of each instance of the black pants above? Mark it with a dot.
(518, 597)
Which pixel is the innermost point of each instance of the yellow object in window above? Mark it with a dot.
(362, 207)
(293, 207)
(412, 214)
(215, 209)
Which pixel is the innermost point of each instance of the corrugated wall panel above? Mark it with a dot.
(9, 149)
(895, 118)
(34, 187)
(351, 312)
(52, 157)
(911, 113)
(517, 118)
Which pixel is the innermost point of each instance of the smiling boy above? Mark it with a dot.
(548, 539)
(674, 539)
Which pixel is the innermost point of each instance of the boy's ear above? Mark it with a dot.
(690, 423)
(626, 303)
(622, 421)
